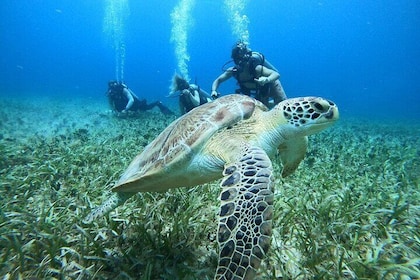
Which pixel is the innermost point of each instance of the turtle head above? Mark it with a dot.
(306, 115)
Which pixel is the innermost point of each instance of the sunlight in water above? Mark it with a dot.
(181, 22)
(116, 13)
(237, 19)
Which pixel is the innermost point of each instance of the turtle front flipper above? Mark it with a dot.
(110, 204)
(292, 153)
(245, 225)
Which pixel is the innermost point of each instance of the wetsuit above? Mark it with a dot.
(186, 101)
(246, 76)
(118, 101)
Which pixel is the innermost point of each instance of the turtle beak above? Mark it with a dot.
(332, 113)
(324, 108)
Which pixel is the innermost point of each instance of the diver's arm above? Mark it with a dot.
(130, 98)
(268, 65)
(223, 77)
(267, 75)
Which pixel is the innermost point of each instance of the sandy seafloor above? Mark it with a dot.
(350, 211)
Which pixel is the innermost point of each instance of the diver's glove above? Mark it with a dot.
(262, 80)
(214, 94)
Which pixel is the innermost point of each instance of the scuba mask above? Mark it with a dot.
(240, 53)
(112, 84)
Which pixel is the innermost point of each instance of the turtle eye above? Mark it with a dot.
(287, 116)
(319, 106)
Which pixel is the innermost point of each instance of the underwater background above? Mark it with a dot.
(362, 54)
(350, 211)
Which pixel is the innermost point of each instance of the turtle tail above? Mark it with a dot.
(111, 203)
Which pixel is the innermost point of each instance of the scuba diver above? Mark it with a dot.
(255, 76)
(190, 95)
(122, 99)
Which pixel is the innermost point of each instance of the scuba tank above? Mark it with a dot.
(259, 59)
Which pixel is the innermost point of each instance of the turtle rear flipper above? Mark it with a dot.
(245, 224)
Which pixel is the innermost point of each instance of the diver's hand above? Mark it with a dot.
(262, 80)
(185, 91)
(214, 94)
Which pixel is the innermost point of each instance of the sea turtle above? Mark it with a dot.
(232, 138)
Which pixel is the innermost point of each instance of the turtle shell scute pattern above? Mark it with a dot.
(180, 139)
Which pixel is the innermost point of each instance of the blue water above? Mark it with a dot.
(363, 54)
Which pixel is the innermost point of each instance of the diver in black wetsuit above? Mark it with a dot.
(256, 77)
(122, 99)
(190, 95)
